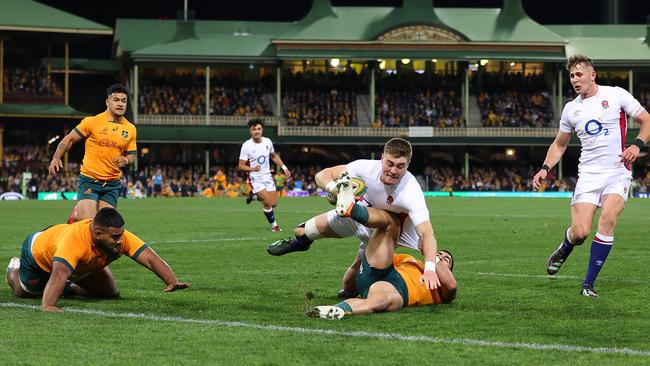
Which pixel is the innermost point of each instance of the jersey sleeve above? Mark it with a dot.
(132, 147)
(68, 251)
(565, 125)
(630, 105)
(355, 168)
(271, 148)
(243, 153)
(132, 245)
(416, 205)
(84, 128)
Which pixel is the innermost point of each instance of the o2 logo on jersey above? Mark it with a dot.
(261, 160)
(595, 128)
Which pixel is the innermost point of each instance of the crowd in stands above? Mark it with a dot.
(491, 178)
(30, 85)
(184, 181)
(412, 99)
(513, 100)
(321, 99)
(185, 95)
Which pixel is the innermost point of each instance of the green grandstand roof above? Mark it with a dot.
(608, 44)
(351, 32)
(32, 16)
(39, 111)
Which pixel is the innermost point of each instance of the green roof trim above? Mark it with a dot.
(607, 44)
(40, 111)
(32, 16)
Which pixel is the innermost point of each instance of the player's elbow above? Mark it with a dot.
(448, 292)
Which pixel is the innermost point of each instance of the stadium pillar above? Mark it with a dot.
(278, 90)
(558, 110)
(466, 165)
(135, 93)
(2, 131)
(66, 73)
(630, 81)
(465, 93)
(207, 95)
(372, 92)
(207, 163)
(2, 76)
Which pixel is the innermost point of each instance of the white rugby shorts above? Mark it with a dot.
(264, 182)
(590, 188)
(346, 227)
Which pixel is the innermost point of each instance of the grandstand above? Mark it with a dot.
(478, 92)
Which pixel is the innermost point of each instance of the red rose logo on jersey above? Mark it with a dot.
(605, 104)
(389, 200)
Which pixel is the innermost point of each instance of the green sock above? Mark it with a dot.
(359, 214)
(345, 306)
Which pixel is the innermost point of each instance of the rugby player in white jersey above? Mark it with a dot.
(597, 116)
(254, 159)
(390, 187)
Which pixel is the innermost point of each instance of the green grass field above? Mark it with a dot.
(247, 307)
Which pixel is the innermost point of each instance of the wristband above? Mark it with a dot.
(639, 143)
(331, 187)
(284, 167)
(546, 167)
(429, 266)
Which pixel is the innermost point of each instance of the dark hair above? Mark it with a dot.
(451, 267)
(117, 88)
(578, 59)
(108, 217)
(255, 121)
(398, 147)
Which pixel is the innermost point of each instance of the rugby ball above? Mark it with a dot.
(359, 190)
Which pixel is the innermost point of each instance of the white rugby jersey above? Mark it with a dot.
(601, 125)
(404, 198)
(257, 154)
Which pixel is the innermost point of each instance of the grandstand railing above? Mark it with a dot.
(417, 131)
(183, 120)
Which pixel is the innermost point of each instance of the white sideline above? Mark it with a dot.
(352, 334)
(494, 274)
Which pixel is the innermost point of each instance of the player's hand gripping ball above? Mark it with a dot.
(359, 190)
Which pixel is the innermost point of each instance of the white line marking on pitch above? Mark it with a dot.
(554, 277)
(352, 334)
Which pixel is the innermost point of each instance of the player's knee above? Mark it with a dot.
(579, 234)
(607, 222)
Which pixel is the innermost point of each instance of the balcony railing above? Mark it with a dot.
(417, 131)
(186, 120)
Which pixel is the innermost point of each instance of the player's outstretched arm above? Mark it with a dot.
(278, 161)
(429, 249)
(151, 260)
(54, 288)
(553, 156)
(70, 139)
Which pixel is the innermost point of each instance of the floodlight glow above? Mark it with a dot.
(335, 62)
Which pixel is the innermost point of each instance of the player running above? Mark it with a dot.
(597, 116)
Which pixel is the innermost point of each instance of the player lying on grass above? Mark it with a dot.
(388, 281)
(73, 259)
(389, 186)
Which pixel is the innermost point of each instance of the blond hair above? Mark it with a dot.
(398, 147)
(578, 59)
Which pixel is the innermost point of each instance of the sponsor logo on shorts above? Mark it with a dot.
(88, 191)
